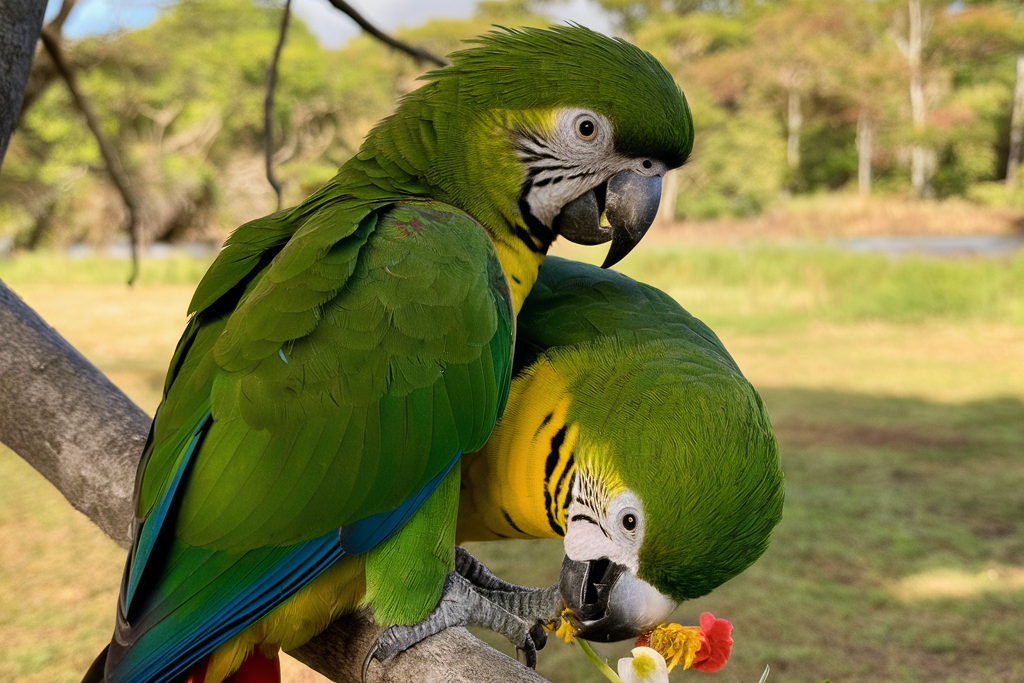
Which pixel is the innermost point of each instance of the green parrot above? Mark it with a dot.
(630, 432)
(343, 354)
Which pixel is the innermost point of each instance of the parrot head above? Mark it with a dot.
(677, 486)
(546, 132)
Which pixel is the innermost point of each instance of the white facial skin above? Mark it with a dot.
(616, 531)
(578, 155)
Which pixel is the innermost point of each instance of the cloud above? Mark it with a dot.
(332, 28)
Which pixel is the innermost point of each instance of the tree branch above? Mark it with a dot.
(419, 54)
(76, 428)
(57, 23)
(43, 70)
(51, 40)
(268, 105)
(19, 30)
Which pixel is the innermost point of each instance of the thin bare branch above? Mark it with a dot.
(52, 42)
(268, 105)
(419, 54)
(57, 23)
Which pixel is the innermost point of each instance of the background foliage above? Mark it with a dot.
(183, 98)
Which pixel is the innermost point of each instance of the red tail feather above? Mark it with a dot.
(198, 672)
(257, 669)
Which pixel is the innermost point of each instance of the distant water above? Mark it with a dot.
(121, 249)
(943, 245)
(951, 246)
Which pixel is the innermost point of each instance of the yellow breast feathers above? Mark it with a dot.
(517, 486)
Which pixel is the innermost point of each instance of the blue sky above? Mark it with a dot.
(328, 24)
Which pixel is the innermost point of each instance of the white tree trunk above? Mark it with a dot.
(864, 152)
(919, 155)
(1016, 125)
(793, 124)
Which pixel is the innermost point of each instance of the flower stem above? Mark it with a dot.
(601, 665)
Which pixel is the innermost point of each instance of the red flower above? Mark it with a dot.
(715, 643)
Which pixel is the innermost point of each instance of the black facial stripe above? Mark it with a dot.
(508, 518)
(556, 448)
(537, 237)
(557, 441)
(569, 464)
(534, 156)
(544, 423)
(558, 166)
(584, 518)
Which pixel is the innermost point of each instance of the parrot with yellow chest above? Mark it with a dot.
(630, 432)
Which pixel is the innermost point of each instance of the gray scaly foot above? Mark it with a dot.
(473, 595)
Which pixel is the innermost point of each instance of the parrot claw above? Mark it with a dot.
(481, 599)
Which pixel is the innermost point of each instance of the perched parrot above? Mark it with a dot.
(343, 354)
(631, 432)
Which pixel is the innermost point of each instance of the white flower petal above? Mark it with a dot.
(645, 666)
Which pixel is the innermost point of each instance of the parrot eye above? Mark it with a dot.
(586, 129)
(629, 522)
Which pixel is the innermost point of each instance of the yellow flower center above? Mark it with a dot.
(676, 643)
(644, 665)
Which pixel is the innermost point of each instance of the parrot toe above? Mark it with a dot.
(482, 599)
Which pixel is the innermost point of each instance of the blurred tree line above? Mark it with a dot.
(910, 97)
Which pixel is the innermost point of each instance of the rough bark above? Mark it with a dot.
(1016, 126)
(67, 420)
(20, 23)
(62, 415)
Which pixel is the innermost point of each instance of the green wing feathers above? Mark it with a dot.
(352, 370)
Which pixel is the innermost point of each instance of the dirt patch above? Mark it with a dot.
(956, 583)
(795, 432)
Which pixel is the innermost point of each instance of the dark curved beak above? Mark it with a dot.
(608, 601)
(620, 210)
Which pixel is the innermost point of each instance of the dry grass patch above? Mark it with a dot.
(836, 215)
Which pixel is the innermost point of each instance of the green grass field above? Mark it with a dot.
(896, 388)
